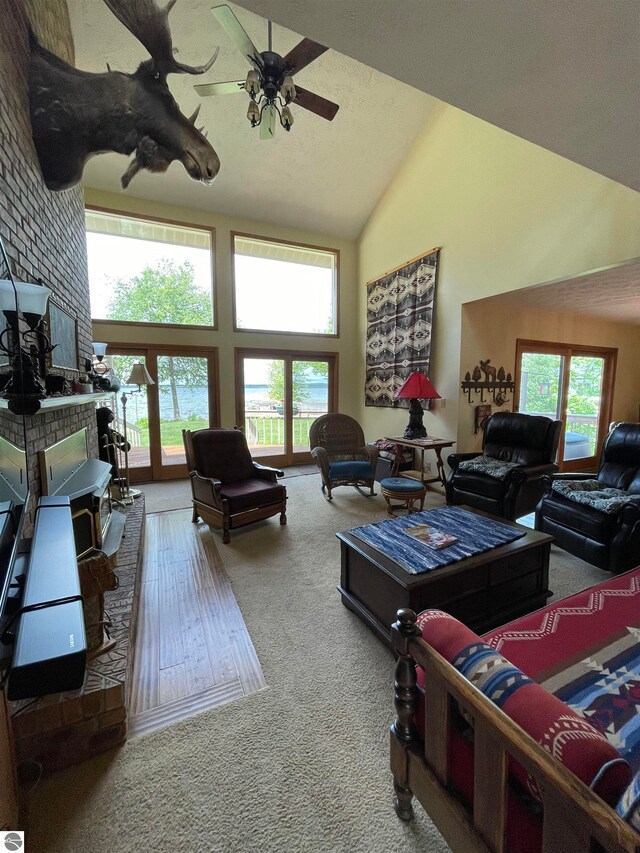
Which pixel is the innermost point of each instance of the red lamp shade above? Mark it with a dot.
(418, 387)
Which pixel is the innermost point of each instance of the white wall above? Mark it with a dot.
(507, 215)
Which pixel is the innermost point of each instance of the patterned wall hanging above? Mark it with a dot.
(399, 323)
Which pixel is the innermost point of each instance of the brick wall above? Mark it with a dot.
(43, 232)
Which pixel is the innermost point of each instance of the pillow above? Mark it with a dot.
(489, 466)
(594, 494)
(560, 730)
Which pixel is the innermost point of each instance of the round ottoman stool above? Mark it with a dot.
(404, 490)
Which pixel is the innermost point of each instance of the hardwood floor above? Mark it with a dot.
(193, 650)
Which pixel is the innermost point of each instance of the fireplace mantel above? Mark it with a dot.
(51, 403)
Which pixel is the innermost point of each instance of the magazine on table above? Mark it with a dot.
(431, 536)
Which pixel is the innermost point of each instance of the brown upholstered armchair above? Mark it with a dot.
(228, 488)
(338, 446)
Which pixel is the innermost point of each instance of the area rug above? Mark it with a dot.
(300, 766)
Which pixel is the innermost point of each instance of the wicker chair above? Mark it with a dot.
(338, 446)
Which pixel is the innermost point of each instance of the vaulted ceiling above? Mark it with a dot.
(565, 76)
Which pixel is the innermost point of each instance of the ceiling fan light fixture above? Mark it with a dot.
(286, 118)
(288, 90)
(252, 83)
(253, 113)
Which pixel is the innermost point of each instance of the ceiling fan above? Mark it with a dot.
(269, 83)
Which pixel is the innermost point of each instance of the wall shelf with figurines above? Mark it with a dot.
(486, 377)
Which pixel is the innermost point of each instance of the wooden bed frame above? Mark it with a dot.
(575, 820)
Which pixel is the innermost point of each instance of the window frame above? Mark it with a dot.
(328, 249)
(180, 224)
(609, 356)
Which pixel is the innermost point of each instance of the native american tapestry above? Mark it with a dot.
(399, 323)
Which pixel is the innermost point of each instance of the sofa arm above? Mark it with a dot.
(322, 460)
(206, 490)
(538, 471)
(264, 472)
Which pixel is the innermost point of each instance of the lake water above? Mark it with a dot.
(193, 401)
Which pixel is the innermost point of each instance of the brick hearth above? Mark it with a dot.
(66, 728)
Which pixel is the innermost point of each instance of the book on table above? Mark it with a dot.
(431, 536)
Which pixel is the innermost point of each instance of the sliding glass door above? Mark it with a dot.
(183, 396)
(573, 384)
(279, 395)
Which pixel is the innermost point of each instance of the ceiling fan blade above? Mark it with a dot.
(303, 53)
(234, 29)
(227, 88)
(320, 106)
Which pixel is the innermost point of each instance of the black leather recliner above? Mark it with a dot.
(605, 535)
(527, 444)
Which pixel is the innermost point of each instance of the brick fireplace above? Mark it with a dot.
(44, 235)
(43, 232)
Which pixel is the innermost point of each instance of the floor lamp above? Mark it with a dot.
(139, 376)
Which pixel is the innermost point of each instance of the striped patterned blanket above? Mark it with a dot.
(585, 650)
(475, 534)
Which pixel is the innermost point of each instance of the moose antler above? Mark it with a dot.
(150, 25)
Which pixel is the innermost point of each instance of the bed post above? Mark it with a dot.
(403, 731)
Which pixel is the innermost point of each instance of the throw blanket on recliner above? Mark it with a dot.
(489, 466)
(594, 494)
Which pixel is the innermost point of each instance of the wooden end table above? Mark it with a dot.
(422, 444)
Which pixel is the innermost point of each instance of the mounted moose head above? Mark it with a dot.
(75, 114)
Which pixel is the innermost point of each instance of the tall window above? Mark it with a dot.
(280, 287)
(146, 271)
(573, 384)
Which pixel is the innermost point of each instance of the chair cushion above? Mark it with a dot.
(250, 494)
(223, 454)
(584, 519)
(402, 485)
(594, 494)
(350, 469)
(488, 466)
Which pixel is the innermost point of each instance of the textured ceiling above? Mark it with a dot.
(565, 75)
(612, 294)
(324, 176)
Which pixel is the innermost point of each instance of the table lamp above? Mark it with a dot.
(415, 388)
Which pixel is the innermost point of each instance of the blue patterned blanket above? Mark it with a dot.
(475, 534)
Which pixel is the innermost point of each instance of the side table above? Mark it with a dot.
(422, 444)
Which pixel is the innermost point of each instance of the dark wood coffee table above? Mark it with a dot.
(483, 591)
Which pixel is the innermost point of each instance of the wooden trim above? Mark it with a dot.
(130, 323)
(181, 224)
(328, 249)
(156, 471)
(404, 264)
(566, 350)
(288, 456)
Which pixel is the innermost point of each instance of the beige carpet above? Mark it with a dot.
(300, 766)
(176, 494)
